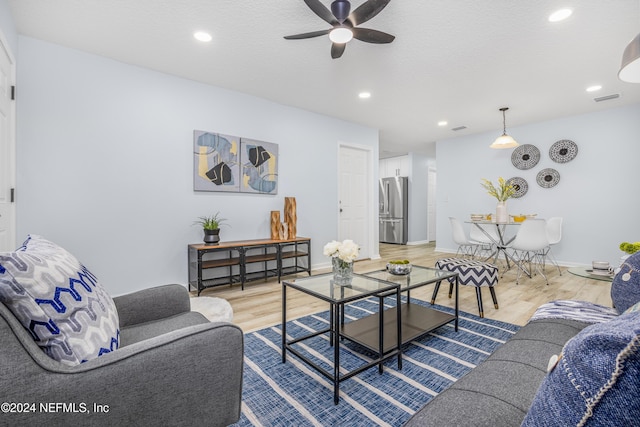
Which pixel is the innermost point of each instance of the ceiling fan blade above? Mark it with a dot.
(372, 36)
(307, 35)
(337, 49)
(322, 11)
(367, 11)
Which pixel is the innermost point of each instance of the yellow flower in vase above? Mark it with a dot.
(502, 193)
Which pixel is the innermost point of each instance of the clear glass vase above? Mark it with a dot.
(342, 271)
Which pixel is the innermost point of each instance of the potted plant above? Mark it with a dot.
(211, 227)
(630, 248)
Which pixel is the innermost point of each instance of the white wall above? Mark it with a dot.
(105, 164)
(7, 27)
(418, 181)
(597, 194)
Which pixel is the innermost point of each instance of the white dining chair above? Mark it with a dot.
(528, 247)
(465, 246)
(554, 235)
(485, 244)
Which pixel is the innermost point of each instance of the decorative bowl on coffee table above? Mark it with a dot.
(399, 269)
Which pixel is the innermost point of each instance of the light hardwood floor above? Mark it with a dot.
(260, 304)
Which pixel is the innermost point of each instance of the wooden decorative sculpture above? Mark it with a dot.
(275, 225)
(290, 216)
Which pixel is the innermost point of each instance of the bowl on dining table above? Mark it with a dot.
(531, 216)
(477, 217)
(519, 218)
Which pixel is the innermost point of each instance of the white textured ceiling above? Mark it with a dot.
(458, 61)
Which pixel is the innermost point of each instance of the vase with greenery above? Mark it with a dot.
(211, 227)
(502, 192)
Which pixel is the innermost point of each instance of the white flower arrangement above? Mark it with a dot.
(346, 250)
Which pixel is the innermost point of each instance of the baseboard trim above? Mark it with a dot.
(419, 242)
(446, 250)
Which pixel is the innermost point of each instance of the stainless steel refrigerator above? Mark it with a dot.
(394, 198)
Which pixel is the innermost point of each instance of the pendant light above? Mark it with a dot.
(504, 141)
(630, 68)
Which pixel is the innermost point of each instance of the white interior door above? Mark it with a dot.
(431, 205)
(7, 150)
(354, 180)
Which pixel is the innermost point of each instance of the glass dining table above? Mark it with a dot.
(500, 242)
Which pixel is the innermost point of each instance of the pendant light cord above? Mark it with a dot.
(504, 122)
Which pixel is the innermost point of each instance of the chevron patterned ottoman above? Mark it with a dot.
(470, 273)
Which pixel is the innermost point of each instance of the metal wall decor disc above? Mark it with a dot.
(520, 185)
(525, 156)
(563, 151)
(548, 178)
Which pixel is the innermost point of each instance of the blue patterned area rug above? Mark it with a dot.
(294, 394)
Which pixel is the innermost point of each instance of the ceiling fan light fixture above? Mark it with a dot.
(345, 25)
(504, 141)
(630, 68)
(340, 35)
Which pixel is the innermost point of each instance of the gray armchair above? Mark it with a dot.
(173, 367)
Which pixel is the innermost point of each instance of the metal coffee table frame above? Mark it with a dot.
(416, 319)
(323, 287)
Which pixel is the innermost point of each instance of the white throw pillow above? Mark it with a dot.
(60, 302)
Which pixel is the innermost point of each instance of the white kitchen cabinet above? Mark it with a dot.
(394, 166)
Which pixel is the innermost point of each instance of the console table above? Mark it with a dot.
(246, 260)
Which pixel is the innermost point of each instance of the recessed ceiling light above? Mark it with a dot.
(594, 88)
(560, 15)
(364, 95)
(202, 36)
(443, 123)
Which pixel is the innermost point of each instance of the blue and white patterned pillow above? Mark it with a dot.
(59, 301)
(625, 289)
(582, 311)
(596, 381)
(633, 308)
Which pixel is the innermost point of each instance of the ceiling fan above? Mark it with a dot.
(345, 24)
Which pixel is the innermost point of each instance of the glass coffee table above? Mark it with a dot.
(589, 274)
(322, 286)
(416, 319)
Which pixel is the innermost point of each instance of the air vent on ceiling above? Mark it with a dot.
(459, 128)
(607, 97)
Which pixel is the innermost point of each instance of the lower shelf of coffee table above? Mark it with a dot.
(416, 321)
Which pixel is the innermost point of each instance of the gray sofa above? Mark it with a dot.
(499, 391)
(173, 367)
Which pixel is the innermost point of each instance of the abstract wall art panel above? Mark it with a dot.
(259, 166)
(216, 165)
